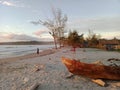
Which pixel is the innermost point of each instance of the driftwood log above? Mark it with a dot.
(93, 71)
(99, 82)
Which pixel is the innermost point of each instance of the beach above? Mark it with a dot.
(46, 70)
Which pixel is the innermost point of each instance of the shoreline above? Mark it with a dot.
(27, 56)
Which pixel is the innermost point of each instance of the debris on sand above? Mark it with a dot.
(114, 62)
(99, 82)
(25, 80)
(98, 63)
(33, 87)
(116, 84)
(38, 67)
(113, 59)
(70, 75)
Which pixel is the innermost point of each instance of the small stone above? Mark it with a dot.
(25, 80)
(69, 76)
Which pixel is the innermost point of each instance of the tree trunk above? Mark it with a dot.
(55, 42)
(92, 70)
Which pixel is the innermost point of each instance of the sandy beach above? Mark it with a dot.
(48, 72)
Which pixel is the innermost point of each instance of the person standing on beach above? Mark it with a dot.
(37, 50)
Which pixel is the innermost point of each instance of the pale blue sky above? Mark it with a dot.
(101, 16)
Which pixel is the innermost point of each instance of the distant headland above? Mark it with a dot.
(26, 43)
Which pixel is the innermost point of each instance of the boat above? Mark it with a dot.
(93, 71)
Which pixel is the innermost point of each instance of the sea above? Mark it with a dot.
(7, 51)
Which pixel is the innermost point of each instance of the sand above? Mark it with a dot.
(47, 72)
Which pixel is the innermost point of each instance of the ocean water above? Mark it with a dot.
(19, 50)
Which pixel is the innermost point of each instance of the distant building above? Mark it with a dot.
(109, 44)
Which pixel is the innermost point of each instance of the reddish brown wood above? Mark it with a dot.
(92, 70)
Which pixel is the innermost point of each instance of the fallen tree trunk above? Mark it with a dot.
(92, 70)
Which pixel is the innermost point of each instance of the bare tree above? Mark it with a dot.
(55, 25)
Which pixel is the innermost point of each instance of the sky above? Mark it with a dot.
(100, 16)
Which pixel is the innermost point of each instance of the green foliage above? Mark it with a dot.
(93, 39)
(74, 38)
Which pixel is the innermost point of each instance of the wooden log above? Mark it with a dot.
(99, 82)
(92, 70)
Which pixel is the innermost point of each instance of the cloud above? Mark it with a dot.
(35, 22)
(105, 23)
(13, 4)
(111, 35)
(99, 25)
(41, 32)
(7, 3)
(5, 36)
